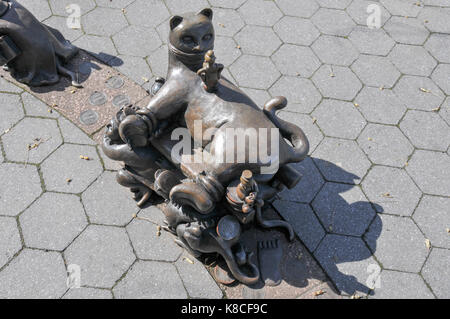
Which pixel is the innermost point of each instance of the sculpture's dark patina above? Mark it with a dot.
(209, 204)
(33, 52)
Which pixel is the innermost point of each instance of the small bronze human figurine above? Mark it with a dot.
(208, 204)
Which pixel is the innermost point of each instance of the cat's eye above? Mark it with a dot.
(188, 39)
(207, 37)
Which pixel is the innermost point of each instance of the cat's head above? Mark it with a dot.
(192, 33)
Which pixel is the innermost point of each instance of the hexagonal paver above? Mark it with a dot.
(376, 71)
(227, 22)
(32, 140)
(371, 41)
(337, 82)
(100, 47)
(65, 171)
(431, 171)
(333, 22)
(437, 45)
(392, 190)
(437, 19)
(304, 222)
(358, 10)
(88, 293)
(72, 134)
(436, 268)
(105, 209)
(151, 246)
(232, 4)
(39, 8)
(441, 77)
(180, 7)
(104, 21)
(301, 94)
(127, 39)
(343, 209)
(339, 119)
(60, 24)
(400, 285)
(407, 30)
(151, 280)
(346, 260)
(260, 97)
(335, 4)
(401, 7)
(146, 13)
(335, 50)
(10, 242)
(158, 61)
(134, 67)
(296, 31)
(433, 219)
(12, 111)
(412, 60)
(385, 145)
(226, 50)
(60, 7)
(341, 161)
(426, 130)
(419, 93)
(380, 106)
(444, 112)
(260, 12)
(303, 67)
(36, 107)
(258, 40)
(103, 253)
(53, 221)
(6, 86)
(298, 8)
(34, 274)
(20, 186)
(397, 243)
(254, 72)
(114, 4)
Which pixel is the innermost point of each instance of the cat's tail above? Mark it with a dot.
(288, 130)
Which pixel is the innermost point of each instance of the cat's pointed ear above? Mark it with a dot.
(175, 21)
(207, 13)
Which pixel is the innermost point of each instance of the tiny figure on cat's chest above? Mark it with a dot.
(210, 72)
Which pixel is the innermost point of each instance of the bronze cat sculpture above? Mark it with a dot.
(207, 204)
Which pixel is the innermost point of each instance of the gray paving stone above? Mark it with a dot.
(226, 50)
(419, 93)
(304, 66)
(400, 285)
(341, 161)
(20, 186)
(333, 22)
(296, 31)
(6, 86)
(136, 68)
(36, 107)
(88, 293)
(151, 246)
(412, 60)
(301, 93)
(53, 221)
(10, 242)
(60, 24)
(100, 47)
(371, 41)
(158, 61)
(433, 219)
(260, 12)
(34, 274)
(339, 119)
(401, 7)
(335, 50)
(147, 14)
(108, 163)
(437, 45)
(39, 8)
(231, 4)
(335, 4)
(431, 171)
(115, 3)
(392, 190)
(102, 208)
(152, 214)
(337, 82)
(260, 97)
(103, 253)
(32, 140)
(358, 11)
(1, 155)
(385, 145)
(180, 7)
(346, 260)
(136, 41)
(303, 220)
(441, 77)
(258, 40)
(376, 71)
(72, 134)
(444, 111)
(426, 130)
(298, 8)
(439, 3)
(104, 21)
(12, 111)
(254, 72)
(436, 268)
(407, 30)
(197, 281)
(397, 243)
(380, 106)
(343, 209)
(438, 19)
(59, 6)
(227, 22)
(66, 164)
